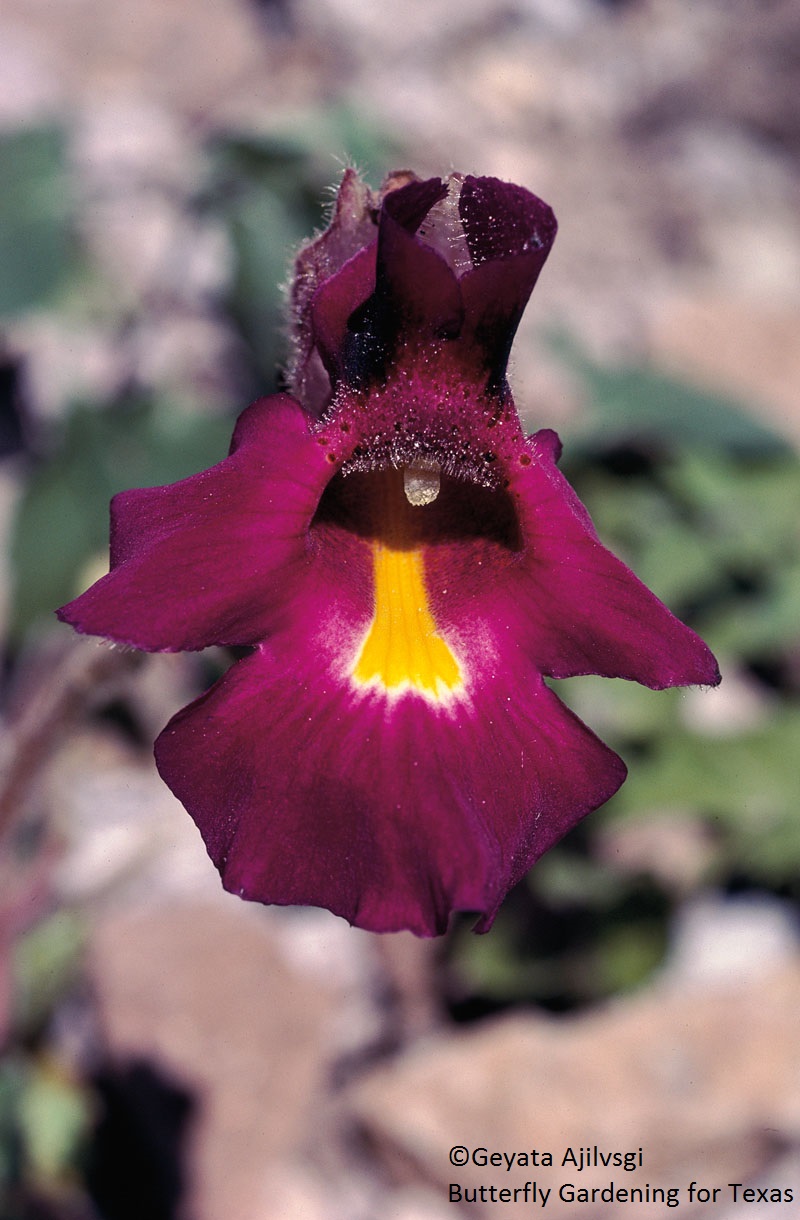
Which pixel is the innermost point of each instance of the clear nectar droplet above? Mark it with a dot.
(421, 482)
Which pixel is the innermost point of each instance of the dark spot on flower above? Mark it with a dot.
(489, 456)
(345, 427)
(331, 457)
(524, 459)
(467, 520)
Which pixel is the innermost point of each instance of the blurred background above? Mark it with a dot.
(170, 1052)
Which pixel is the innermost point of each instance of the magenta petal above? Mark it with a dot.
(414, 286)
(211, 559)
(502, 220)
(510, 233)
(334, 303)
(322, 295)
(579, 608)
(390, 815)
(390, 291)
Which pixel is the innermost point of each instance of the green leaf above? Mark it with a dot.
(263, 232)
(631, 403)
(34, 217)
(619, 710)
(628, 955)
(13, 1077)
(44, 963)
(54, 1118)
(748, 785)
(307, 156)
(749, 512)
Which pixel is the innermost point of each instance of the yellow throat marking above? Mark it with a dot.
(402, 647)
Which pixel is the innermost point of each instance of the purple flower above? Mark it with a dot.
(406, 567)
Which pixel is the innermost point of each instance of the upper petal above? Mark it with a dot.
(211, 559)
(510, 233)
(352, 228)
(502, 220)
(415, 301)
(454, 260)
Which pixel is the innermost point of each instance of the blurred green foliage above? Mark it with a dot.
(44, 964)
(45, 1110)
(45, 1118)
(35, 231)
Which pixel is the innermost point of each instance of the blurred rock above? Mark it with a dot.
(124, 833)
(718, 942)
(783, 1171)
(677, 850)
(29, 85)
(64, 361)
(196, 55)
(737, 343)
(706, 1082)
(203, 993)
